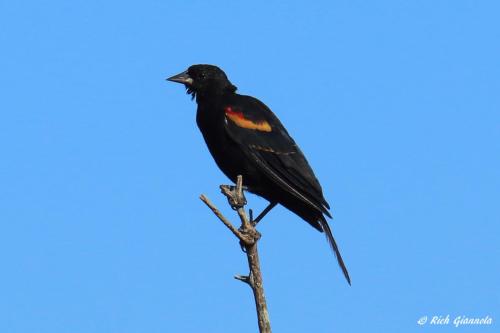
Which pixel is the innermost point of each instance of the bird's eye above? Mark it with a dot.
(202, 75)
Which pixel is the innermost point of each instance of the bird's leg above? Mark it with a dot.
(263, 213)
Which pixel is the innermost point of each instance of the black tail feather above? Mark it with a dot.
(333, 245)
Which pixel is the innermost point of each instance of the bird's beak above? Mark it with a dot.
(181, 78)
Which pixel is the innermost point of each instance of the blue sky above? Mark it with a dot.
(395, 103)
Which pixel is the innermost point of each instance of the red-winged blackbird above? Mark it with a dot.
(246, 138)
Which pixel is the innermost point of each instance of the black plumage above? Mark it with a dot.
(246, 138)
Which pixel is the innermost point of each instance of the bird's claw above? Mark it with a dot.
(242, 245)
(235, 199)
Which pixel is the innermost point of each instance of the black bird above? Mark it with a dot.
(246, 138)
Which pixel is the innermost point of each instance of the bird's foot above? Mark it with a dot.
(242, 246)
(249, 233)
(235, 198)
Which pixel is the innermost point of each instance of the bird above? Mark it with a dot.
(246, 138)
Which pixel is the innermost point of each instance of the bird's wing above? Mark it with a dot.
(252, 125)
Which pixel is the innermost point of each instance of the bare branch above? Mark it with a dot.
(248, 236)
(221, 217)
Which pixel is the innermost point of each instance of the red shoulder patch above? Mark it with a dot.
(238, 118)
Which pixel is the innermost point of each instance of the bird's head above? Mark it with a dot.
(203, 80)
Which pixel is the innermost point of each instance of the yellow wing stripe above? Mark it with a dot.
(239, 119)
